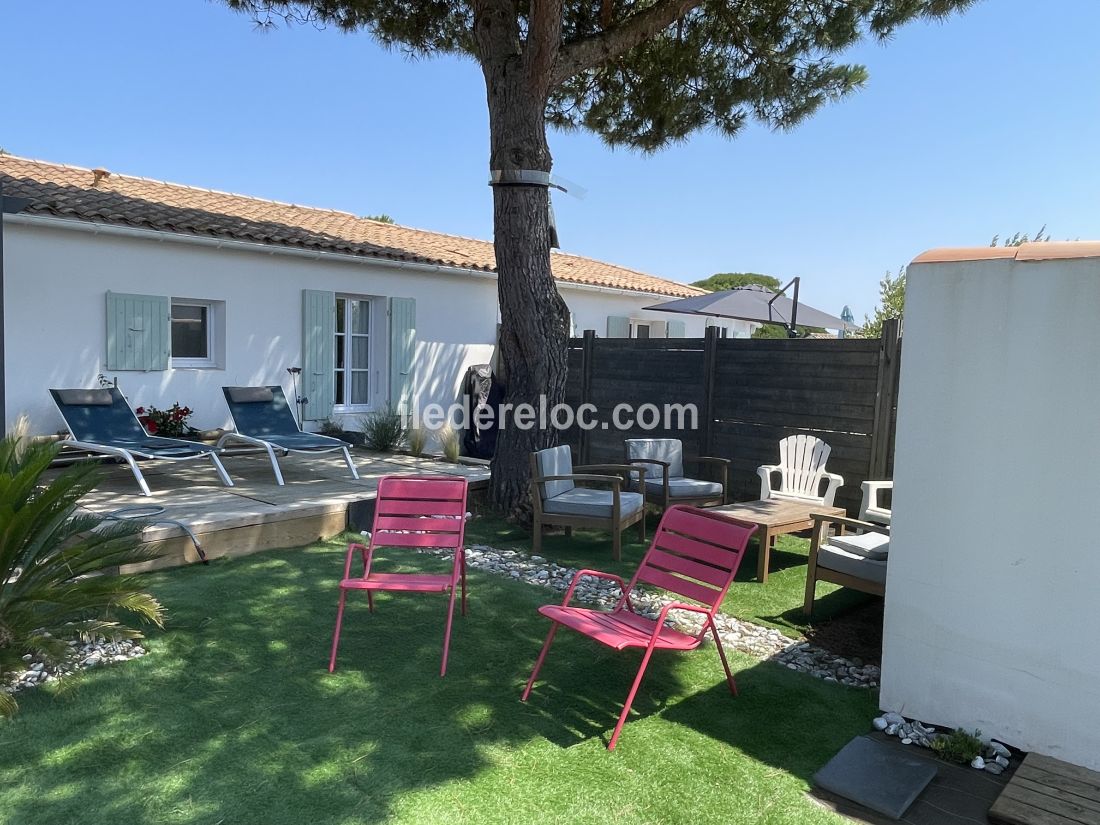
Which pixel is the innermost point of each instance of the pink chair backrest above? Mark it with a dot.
(420, 511)
(695, 554)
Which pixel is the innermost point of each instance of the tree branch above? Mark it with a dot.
(632, 31)
(543, 42)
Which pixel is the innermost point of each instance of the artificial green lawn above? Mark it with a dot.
(234, 718)
(776, 604)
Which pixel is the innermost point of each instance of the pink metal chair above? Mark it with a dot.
(412, 511)
(694, 555)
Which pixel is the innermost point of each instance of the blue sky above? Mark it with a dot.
(988, 123)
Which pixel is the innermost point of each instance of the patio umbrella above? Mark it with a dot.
(846, 316)
(756, 303)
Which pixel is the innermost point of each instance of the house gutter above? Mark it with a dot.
(161, 236)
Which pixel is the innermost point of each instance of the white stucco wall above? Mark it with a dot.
(991, 597)
(56, 319)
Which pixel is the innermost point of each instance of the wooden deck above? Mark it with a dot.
(959, 795)
(1045, 791)
(256, 514)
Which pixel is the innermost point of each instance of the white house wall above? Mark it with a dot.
(991, 595)
(56, 318)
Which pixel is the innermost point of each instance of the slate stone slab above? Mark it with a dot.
(876, 776)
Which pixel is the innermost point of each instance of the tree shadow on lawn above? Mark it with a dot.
(832, 606)
(782, 718)
(233, 715)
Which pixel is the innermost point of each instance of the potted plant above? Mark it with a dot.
(169, 423)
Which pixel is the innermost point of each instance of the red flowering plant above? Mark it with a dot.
(171, 422)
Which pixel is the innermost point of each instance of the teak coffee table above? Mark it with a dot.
(774, 517)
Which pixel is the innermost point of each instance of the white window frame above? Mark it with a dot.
(347, 370)
(657, 329)
(215, 334)
(723, 330)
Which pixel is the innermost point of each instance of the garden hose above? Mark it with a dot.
(145, 511)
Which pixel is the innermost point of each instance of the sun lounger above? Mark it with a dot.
(102, 422)
(263, 418)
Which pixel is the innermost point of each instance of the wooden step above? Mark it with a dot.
(1045, 791)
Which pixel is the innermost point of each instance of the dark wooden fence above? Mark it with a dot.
(749, 393)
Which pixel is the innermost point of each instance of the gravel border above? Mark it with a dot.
(82, 656)
(761, 642)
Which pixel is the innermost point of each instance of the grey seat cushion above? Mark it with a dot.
(587, 501)
(663, 449)
(250, 395)
(557, 461)
(833, 558)
(868, 545)
(85, 398)
(685, 487)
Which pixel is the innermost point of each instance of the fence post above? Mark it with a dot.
(587, 354)
(889, 362)
(710, 369)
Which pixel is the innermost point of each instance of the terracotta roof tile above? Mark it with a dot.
(1041, 251)
(73, 192)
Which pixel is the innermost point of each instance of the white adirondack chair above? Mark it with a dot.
(801, 470)
(871, 508)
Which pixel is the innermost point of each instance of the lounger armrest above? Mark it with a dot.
(664, 465)
(872, 491)
(765, 472)
(853, 523)
(615, 481)
(668, 608)
(835, 481)
(626, 469)
(723, 465)
(366, 551)
(596, 574)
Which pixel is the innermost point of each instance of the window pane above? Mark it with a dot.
(341, 308)
(360, 387)
(360, 316)
(189, 331)
(340, 352)
(360, 352)
(641, 331)
(338, 397)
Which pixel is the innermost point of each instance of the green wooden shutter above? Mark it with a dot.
(402, 352)
(139, 331)
(676, 329)
(318, 352)
(618, 327)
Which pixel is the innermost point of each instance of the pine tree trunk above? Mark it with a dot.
(534, 318)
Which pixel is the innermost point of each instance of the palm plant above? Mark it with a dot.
(57, 577)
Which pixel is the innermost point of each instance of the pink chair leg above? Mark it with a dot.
(630, 699)
(539, 661)
(336, 633)
(722, 655)
(447, 632)
(463, 584)
(370, 601)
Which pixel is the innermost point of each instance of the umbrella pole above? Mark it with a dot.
(792, 327)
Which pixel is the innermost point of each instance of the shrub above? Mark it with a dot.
(448, 440)
(331, 428)
(417, 440)
(958, 746)
(56, 582)
(382, 430)
(170, 423)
